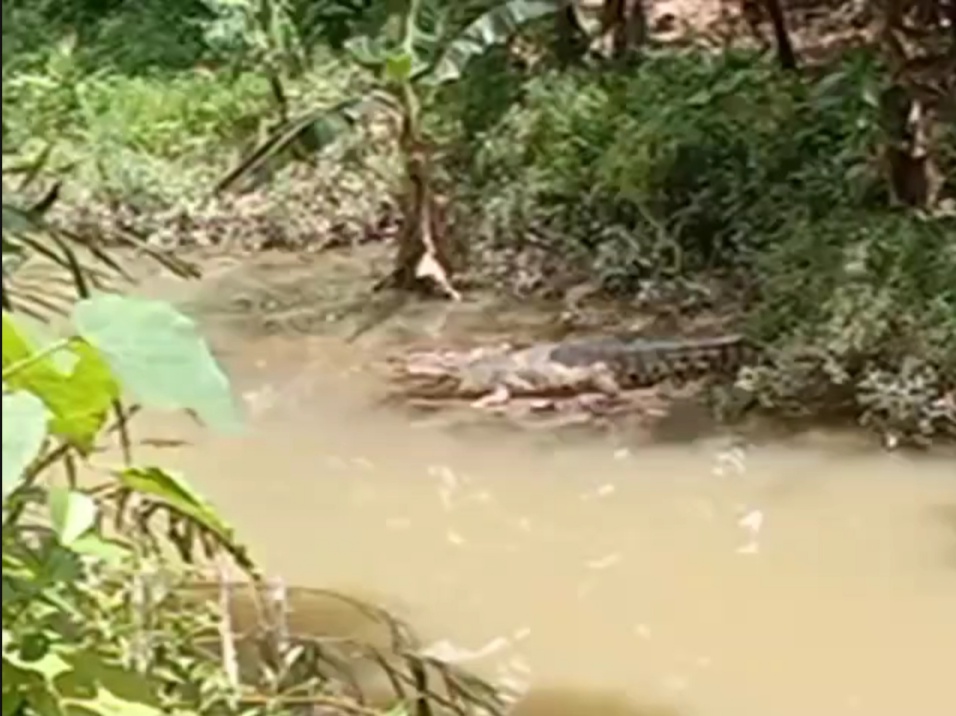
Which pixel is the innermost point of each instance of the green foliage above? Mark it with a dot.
(78, 399)
(130, 119)
(23, 435)
(158, 355)
(703, 153)
(76, 635)
(434, 46)
(699, 164)
(142, 138)
(148, 103)
(71, 620)
(133, 37)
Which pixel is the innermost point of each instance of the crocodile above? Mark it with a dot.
(605, 364)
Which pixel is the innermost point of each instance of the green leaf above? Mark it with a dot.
(22, 343)
(49, 666)
(12, 701)
(492, 28)
(59, 564)
(72, 514)
(81, 683)
(105, 550)
(24, 431)
(106, 703)
(158, 355)
(83, 401)
(324, 125)
(366, 52)
(75, 383)
(25, 684)
(28, 335)
(15, 219)
(34, 645)
(398, 67)
(175, 492)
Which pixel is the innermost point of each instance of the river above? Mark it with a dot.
(813, 575)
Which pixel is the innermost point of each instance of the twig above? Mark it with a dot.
(36, 357)
(230, 661)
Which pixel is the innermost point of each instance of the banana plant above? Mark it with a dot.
(426, 45)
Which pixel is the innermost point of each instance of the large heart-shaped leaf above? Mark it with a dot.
(158, 355)
(24, 430)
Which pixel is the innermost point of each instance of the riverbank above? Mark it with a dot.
(324, 298)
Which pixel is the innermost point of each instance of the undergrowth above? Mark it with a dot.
(700, 166)
(146, 104)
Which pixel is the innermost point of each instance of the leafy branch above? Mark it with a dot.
(409, 66)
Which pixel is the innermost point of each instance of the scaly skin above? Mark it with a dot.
(606, 365)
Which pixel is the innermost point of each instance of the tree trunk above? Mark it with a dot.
(625, 21)
(754, 13)
(922, 74)
(423, 262)
(778, 21)
(571, 39)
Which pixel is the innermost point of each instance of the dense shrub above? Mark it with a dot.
(713, 154)
(695, 165)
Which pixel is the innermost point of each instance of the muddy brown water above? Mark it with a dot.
(815, 575)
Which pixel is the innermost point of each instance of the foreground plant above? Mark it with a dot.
(79, 633)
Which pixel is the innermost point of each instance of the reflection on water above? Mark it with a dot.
(781, 580)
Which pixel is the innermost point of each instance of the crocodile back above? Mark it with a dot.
(640, 362)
